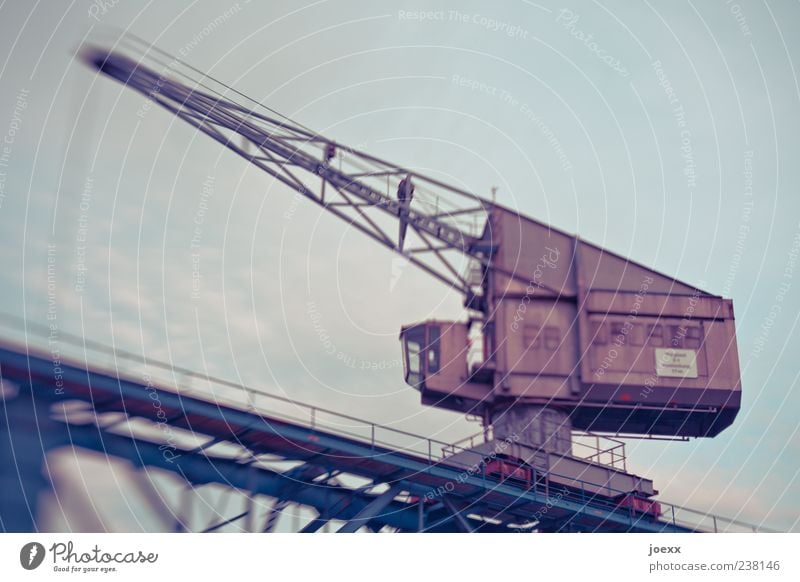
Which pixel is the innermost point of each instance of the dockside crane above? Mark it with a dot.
(573, 336)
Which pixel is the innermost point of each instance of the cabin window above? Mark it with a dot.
(531, 336)
(694, 337)
(618, 332)
(656, 335)
(414, 340)
(433, 349)
(552, 337)
(599, 333)
(676, 335)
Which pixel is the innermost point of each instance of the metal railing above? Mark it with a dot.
(588, 446)
(80, 352)
(599, 449)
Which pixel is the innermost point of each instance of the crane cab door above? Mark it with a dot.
(415, 348)
(422, 352)
(435, 363)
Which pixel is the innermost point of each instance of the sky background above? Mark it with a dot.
(668, 132)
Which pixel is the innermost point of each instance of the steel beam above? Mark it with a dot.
(372, 510)
(226, 522)
(462, 523)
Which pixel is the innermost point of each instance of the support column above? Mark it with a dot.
(26, 434)
(539, 427)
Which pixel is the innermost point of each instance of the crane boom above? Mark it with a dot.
(446, 221)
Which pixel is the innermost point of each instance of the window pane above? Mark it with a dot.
(433, 350)
(414, 340)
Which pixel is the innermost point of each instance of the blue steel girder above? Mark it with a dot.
(261, 434)
(204, 469)
(372, 510)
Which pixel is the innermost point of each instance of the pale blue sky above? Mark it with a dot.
(527, 104)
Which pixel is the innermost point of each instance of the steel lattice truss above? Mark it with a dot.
(447, 223)
(406, 489)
